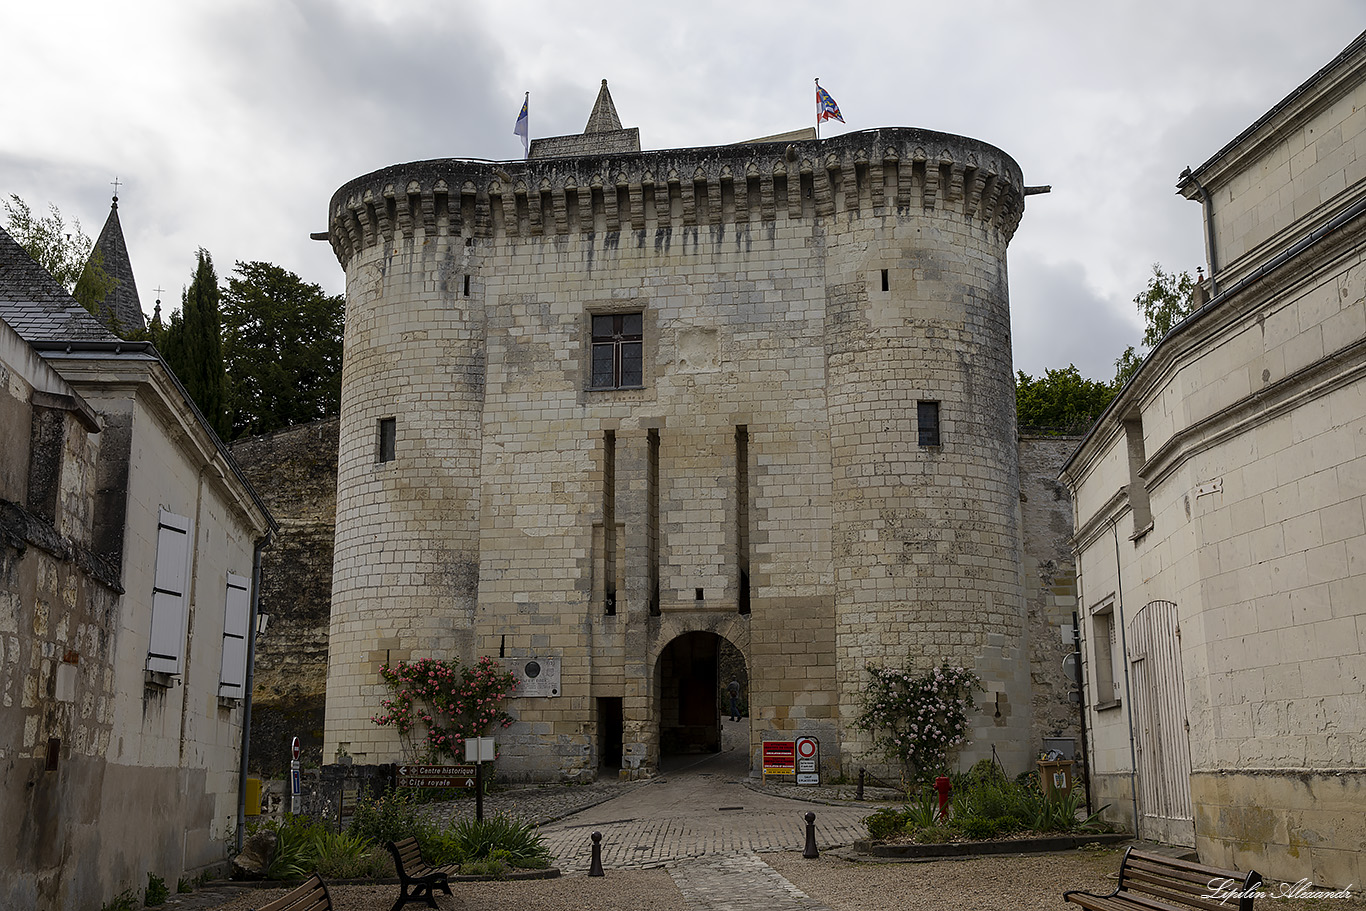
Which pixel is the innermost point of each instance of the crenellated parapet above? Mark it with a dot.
(890, 171)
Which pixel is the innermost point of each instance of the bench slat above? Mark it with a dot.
(1151, 882)
(312, 895)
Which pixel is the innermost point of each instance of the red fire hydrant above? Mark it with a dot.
(944, 787)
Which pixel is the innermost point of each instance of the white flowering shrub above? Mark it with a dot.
(916, 720)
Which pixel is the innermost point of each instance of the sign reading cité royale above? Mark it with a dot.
(436, 776)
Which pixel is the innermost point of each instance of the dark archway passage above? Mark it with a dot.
(687, 678)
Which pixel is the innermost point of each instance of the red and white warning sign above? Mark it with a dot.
(808, 760)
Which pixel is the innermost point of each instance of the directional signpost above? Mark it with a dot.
(436, 776)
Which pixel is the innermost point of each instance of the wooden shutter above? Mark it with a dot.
(232, 681)
(170, 594)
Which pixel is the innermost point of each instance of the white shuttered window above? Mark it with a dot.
(236, 618)
(170, 594)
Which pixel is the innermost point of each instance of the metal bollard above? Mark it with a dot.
(811, 851)
(595, 869)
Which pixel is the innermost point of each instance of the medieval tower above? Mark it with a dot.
(604, 408)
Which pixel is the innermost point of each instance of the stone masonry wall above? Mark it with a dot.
(1050, 580)
(295, 471)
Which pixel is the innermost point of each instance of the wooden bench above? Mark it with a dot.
(311, 896)
(1151, 882)
(416, 878)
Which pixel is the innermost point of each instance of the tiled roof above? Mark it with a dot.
(36, 306)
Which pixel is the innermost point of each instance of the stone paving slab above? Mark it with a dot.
(741, 882)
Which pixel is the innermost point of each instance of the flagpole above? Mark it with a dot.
(818, 107)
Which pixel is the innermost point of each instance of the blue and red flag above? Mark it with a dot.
(523, 127)
(826, 109)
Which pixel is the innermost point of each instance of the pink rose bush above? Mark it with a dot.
(445, 702)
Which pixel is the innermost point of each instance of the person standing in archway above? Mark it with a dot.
(734, 687)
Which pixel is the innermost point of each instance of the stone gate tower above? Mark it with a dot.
(610, 410)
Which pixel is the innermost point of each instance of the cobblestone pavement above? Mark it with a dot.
(740, 882)
(699, 806)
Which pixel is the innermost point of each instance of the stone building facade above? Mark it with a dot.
(606, 409)
(1219, 515)
(127, 545)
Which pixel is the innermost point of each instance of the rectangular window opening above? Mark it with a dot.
(609, 522)
(927, 423)
(652, 520)
(1103, 653)
(1138, 491)
(467, 286)
(884, 280)
(742, 514)
(618, 351)
(388, 439)
(698, 594)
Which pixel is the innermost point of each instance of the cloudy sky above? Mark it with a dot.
(230, 123)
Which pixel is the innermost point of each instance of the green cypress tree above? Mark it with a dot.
(193, 346)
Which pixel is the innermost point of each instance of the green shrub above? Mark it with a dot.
(156, 893)
(497, 838)
(127, 900)
(885, 823)
(495, 868)
(392, 817)
(977, 827)
(341, 855)
(183, 886)
(294, 846)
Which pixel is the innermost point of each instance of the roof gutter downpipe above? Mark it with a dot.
(261, 544)
(1128, 695)
(1207, 204)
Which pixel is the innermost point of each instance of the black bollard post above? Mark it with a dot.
(595, 868)
(811, 851)
(861, 774)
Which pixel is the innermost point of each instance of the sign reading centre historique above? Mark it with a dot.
(436, 776)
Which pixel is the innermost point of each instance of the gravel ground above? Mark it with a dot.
(625, 890)
(1000, 883)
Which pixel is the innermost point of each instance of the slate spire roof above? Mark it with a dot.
(604, 118)
(122, 309)
(36, 306)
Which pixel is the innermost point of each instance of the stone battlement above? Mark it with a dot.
(875, 172)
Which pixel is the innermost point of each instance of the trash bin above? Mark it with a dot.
(253, 797)
(1056, 777)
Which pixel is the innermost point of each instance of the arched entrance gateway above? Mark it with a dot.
(690, 686)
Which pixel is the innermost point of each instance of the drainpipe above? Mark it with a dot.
(1207, 204)
(1081, 702)
(1124, 652)
(261, 544)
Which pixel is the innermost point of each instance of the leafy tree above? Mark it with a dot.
(193, 347)
(282, 346)
(63, 250)
(1060, 401)
(1126, 365)
(1168, 299)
